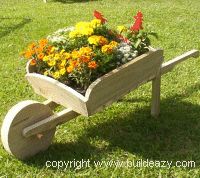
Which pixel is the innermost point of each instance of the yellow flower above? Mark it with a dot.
(52, 49)
(57, 56)
(93, 40)
(62, 71)
(67, 55)
(46, 58)
(107, 49)
(80, 25)
(62, 64)
(113, 44)
(73, 34)
(75, 54)
(95, 23)
(103, 41)
(62, 51)
(85, 51)
(97, 40)
(81, 29)
(51, 62)
(56, 75)
(46, 73)
(86, 31)
(121, 28)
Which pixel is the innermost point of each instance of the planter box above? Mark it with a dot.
(103, 91)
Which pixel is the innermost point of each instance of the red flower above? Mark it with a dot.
(138, 22)
(99, 16)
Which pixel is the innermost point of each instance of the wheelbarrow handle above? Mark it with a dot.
(169, 65)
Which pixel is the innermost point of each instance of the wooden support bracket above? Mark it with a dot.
(156, 82)
(50, 122)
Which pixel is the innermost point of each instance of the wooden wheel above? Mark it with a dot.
(20, 116)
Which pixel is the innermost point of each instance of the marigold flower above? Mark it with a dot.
(39, 50)
(74, 63)
(62, 51)
(57, 57)
(97, 40)
(51, 62)
(95, 23)
(67, 55)
(40, 56)
(62, 71)
(85, 58)
(113, 44)
(100, 16)
(33, 62)
(43, 42)
(63, 63)
(92, 65)
(85, 51)
(107, 49)
(75, 54)
(31, 46)
(28, 54)
(70, 69)
(56, 75)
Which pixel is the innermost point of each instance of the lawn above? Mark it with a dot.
(125, 130)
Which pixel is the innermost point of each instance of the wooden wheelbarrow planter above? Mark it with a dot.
(29, 126)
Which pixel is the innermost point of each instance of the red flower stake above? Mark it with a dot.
(100, 16)
(138, 22)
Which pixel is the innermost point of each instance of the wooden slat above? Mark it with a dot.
(121, 81)
(50, 122)
(55, 91)
(168, 66)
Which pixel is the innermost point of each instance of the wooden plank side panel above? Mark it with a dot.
(57, 92)
(121, 81)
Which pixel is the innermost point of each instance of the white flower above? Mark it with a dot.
(126, 55)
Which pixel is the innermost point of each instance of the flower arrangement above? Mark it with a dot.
(78, 55)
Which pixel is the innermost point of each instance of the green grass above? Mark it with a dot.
(124, 130)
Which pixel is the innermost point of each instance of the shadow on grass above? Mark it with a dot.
(73, 1)
(6, 29)
(175, 136)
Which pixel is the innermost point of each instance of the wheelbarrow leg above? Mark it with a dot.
(155, 103)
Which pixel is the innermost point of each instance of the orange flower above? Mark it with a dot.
(49, 48)
(43, 42)
(28, 54)
(40, 56)
(74, 63)
(39, 49)
(70, 69)
(92, 65)
(85, 58)
(33, 62)
(31, 46)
